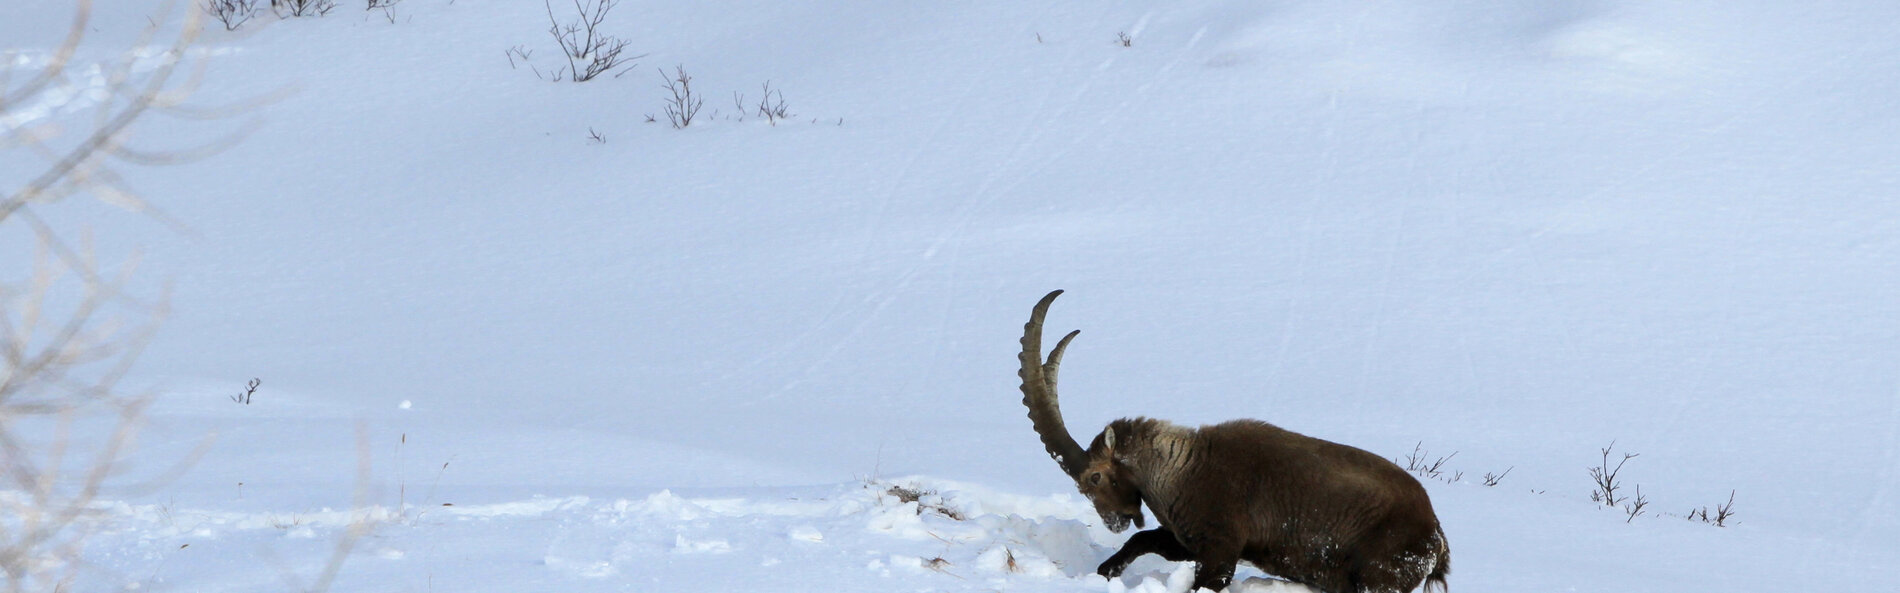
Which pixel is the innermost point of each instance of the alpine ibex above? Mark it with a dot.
(1331, 516)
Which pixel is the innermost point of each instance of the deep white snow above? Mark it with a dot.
(699, 359)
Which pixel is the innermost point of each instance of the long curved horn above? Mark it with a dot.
(1039, 392)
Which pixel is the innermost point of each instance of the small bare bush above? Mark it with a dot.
(518, 51)
(388, 7)
(772, 105)
(1606, 478)
(232, 13)
(1723, 512)
(301, 8)
(250, 389)
(682, 105)
(1635, 506)
(590, 53)
(1491, 479)
(1124, 40)
(1419, 462)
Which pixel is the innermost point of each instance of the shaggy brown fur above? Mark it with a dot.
(1331, 516)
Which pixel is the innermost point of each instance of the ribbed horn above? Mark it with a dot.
(1039, 392)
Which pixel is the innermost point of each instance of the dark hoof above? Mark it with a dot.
(1110, 569)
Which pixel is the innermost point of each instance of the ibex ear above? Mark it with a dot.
(1108, 438)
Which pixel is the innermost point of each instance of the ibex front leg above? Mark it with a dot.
(1154, 541)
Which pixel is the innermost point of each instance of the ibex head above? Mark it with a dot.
(1099, 473)
(1108, 484)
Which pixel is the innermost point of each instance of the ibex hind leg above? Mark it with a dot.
(1337, 579)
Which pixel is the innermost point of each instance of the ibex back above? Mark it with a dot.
(1330, 516)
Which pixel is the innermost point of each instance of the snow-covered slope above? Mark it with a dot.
(1515, 230)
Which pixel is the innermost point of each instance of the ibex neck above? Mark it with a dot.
(1157, 453)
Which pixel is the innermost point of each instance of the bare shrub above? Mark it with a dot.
(772, 105)
(387, 6)
(683, 105)
(1123, 39)
(232, 13)
(1420, 464)
(244, 397)
(1723, 512)
(301, 8)
(1635, 507)
(518, 50)
(589, 52)
(1605, 477)
(519, 55)
(1491, 479)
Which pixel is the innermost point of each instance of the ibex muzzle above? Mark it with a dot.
(1331, 516)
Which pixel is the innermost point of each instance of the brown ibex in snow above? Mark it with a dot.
(1331, 516)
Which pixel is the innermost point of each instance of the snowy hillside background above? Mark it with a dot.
(700, 358)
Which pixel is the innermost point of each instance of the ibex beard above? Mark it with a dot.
(1331, 516)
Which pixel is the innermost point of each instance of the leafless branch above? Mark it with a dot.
(250, 389)
(302, 8)
(56, 66)
(518, 50)
(387, 6)
(70, 328)
(1635, 507)
(233, 13)
(772, 105)
(683, 105)
(1723, 512)
(1491, 479)
(589, 52)
(1417, 463)
(1605, 476)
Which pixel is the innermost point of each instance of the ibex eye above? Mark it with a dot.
(1095, 478)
